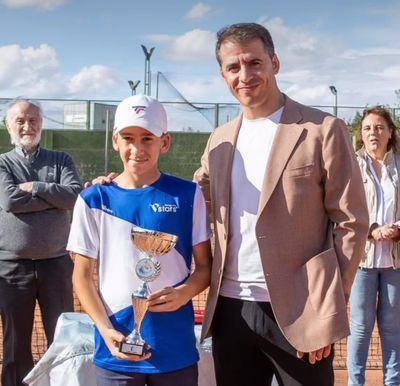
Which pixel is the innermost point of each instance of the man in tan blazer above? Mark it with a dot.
(290, 223)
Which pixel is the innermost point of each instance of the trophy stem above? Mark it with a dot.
(139, 304)
(134, 343)
(148, 268)
(142, 292)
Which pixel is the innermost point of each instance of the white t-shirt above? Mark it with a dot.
(385, 192)
(243, 276)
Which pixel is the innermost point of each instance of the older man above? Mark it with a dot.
(37, 189)
(290, 223)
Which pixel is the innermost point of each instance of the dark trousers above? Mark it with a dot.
(249, 349)
(183, 377)
(22, 282)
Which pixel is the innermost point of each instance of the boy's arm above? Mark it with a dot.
(170, 299)
(88, 295)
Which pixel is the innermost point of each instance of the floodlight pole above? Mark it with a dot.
(133, 85)
(147, 73)
(334, 92)
(157, 83)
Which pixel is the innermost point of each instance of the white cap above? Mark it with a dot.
(143, 111)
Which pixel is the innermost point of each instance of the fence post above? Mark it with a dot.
(216, 116)
(88, 115)
(106, 142)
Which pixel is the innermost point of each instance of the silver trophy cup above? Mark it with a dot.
(148, 268)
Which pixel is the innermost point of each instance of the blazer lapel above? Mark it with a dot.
(286, 137)
(225, 162)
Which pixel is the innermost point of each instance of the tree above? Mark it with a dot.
(355, 123)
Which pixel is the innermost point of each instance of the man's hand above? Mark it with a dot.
(112, 339)
(317, 355)
(26, 186)
(101, 180)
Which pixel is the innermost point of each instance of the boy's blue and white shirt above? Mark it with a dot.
(103, 218)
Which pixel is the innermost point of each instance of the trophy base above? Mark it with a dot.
(133, 349)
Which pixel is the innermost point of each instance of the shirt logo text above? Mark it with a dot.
(165, 208)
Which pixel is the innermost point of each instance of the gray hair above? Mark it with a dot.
(17, 100)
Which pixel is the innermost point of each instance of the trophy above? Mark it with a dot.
(148, 268)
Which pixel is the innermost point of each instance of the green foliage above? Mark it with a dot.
(3, 123)
(355, 123)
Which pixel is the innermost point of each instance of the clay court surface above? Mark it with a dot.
(373, 378)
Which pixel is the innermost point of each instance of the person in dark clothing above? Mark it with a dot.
(38, 187)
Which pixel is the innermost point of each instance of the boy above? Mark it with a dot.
(104, 216)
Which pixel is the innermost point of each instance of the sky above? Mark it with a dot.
(80, 49)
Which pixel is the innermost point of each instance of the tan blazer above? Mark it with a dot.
(312, 222)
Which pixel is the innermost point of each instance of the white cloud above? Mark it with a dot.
(27, 70)
(35, 72)
(295, 75)
(312, 94)
(310, 63)
(198, 11)
(95, 79)
(391, 72)
(296, 47)
(43, 4)
(372, 51)
(194, 45)
(202, 89)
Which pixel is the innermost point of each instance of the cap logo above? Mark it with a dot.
(138, 109)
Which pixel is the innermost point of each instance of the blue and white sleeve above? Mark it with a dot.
(201, 230)
(84, 235)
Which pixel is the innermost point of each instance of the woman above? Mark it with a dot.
(376, 290)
